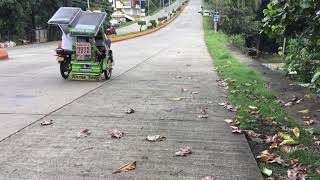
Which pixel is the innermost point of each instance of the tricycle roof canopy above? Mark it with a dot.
(80, 23)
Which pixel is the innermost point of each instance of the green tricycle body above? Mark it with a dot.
(90, 56)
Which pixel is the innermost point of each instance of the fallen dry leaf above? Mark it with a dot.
(298, 172)
(287, 139)
(251, 133)
(266, 156)
(317, 143)
(184, 89)
(253, 108)
(229, 121)
(127, 167)
(46, 123)
(266, 171)
(130, 111)
(194, 92)
(269, 118)
(288, 104)
(203, 116)
(223, 104)
(309, 122)
(209, 178)
(84, 133)
(296, 131)
(154, 138)
(115, 133)
(270, 178)
(236, 130)
(273, 145)
(204, 110)
(176, 99)
(306, 111)
(317, 170)
(184, 151)
(291, 149)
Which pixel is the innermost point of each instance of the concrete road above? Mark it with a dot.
(149, 72)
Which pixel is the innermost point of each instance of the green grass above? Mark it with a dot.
(121, 25)
(244, 83)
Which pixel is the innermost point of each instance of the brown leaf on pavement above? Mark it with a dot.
(115, 133)
(154, 138)
(84, 133)
(251, 133)
(184, 90)
(127, 167)
(204, 110)
(236, 130)
(130, 111)
(176, 99)
(208, 178)
(184, 151)
(47, 122)
(229, 121)
(203, 116)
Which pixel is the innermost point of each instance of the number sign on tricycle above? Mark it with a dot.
(83, 49)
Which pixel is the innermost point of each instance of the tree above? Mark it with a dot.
(299, 21)
(10, 18)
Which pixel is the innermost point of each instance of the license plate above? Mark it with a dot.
(83, 49)
(86, 77)
(59, 59)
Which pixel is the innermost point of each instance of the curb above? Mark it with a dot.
(138, 34)
(3, 54)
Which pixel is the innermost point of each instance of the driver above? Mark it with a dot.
(66, 41)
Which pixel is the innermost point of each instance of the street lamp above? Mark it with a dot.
(88, 1)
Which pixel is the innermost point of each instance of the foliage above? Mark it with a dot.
(18, 18)
(141, 23)
(243, 17)
(238, 41)
(163, 18)
(153, 23)
(302, 63)
(300, 22)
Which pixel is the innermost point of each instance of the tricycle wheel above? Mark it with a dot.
(65, 69)
(107, 74)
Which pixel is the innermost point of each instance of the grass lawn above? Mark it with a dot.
(247, 88)
(121, 25)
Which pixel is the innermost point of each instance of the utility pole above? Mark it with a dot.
(148, 7)
(88, 1)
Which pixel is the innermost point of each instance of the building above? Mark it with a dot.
(128, 10)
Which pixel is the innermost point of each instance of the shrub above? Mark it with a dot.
(153, 23)
(302, 62)
(239, 42)
(141, 23)
(163, 18)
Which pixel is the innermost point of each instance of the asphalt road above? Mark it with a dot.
(149, 74)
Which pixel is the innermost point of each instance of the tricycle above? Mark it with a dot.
(85, 53)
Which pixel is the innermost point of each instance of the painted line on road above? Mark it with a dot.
(108, 81)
